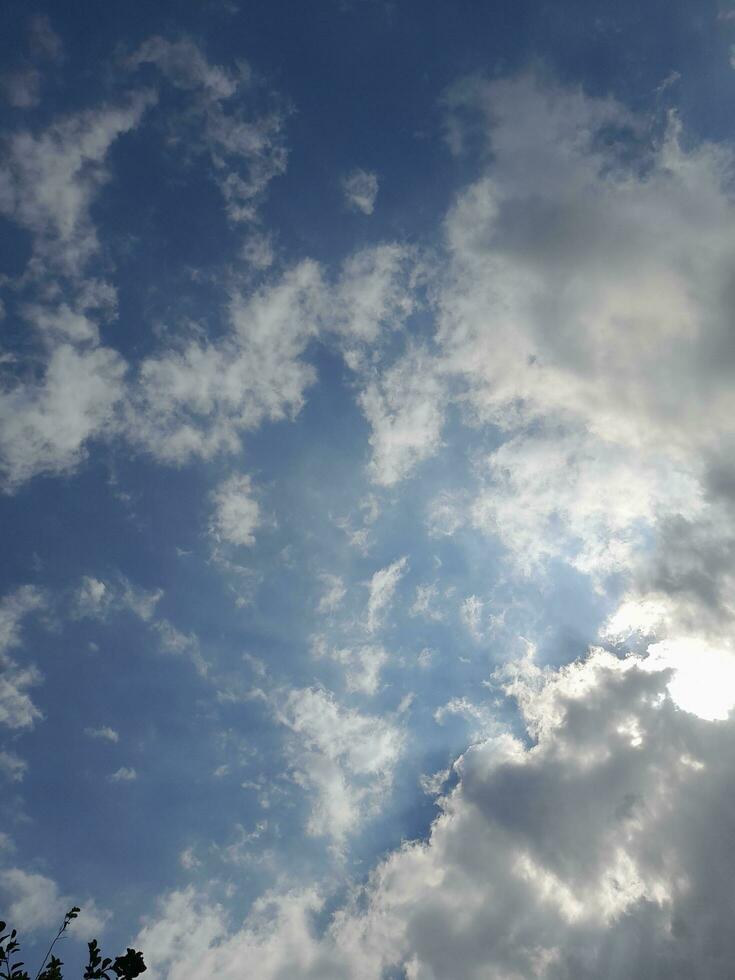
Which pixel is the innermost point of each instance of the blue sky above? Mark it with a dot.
(368, 516)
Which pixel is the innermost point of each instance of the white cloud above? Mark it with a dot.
(50, 180)
(12, 766)
(704, 679)
(172, 640)
(13, 609)
(105, 733)
(404, 407)
(188, 859)
(382, 587)
(360, 189)
(62, 322)
(586, 850)
(33, 902)
(45, 425)
(334, 593)
(375, 293)
(424, 603)
(17, 710)
(190, 926)
(577, 313)
(95, 599)
(245, 147)
(360, 537)
(612, 283)
(565, 494)
(186, 67)
(258, 250)
(140, 602)
(195, 400)
(70, 391)
(363, 664)
(480, 717)
(236, 511)
(344, 758)
(701, 661)
(471, 614)
(125, 774)
(92, 598)
(446, 513)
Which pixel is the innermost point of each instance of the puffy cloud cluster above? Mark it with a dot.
(46, 424)
(597, 848)
(196, 399)
(70, 390)
(196, 395)
(584, 315)
(584, 312)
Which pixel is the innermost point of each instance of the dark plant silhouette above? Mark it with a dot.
(124, 967)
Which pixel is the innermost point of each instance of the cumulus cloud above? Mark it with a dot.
(375, 293)
(576, 313)
(45, 425)
(360, 189)
(404, 407)
(584, 852)
(564, 494)
(49, 180)
(70, 390)
(344, 758)
(362, 662)
(197, 398)
(236, 511)
(64, 321)
(587, 305)
(190, 923)
(34, 901)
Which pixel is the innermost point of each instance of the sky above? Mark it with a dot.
(367, 486)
